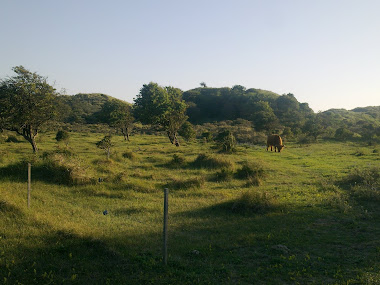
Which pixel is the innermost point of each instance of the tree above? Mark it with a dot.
(203, 84)
(106, 145)
(263, 116)
(118, 114)
(161, 106)
(27, 101)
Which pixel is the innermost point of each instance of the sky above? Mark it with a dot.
(325, 52)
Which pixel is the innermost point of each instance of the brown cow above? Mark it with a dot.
(275, 141)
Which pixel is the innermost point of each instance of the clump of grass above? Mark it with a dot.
(255, 202)
(364, 183)
(196, 182)
(367, 177)
(225, 174)
(211, 162)
(61, 169)
(177, 161)
(339, 201)
(128, 155)
(253, 172)
(360, 152)
(12, 139)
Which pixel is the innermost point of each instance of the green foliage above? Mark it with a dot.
(106, 145)
(177, 161)
(63, 136)
(226, 141)
(117, 114)
(366, 177)
(161, 106)
(129, 154)
(225, 174)
(187, 131)
(287, 233)
(207, 136)
(27, 102)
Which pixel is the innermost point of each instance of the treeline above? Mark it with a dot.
(27, 102)
(257, 110)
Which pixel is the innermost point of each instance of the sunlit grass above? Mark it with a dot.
(300, 225)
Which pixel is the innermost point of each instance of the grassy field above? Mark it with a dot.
(311, 215)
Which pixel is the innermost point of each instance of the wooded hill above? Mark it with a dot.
(266, 111)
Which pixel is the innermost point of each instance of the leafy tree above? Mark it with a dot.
(27, 101)
(263, 116)
(203, 84)
(313, 127)
(63, 136)
(161, 106)
(117, 114)
(106, 145)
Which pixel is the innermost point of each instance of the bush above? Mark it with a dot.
(225, 174)
(177, 161)
(212, 162)
(368, 178)
(129, 155)
(62, 136)
(187, 131)
(255, 201)
(226, 141)
(252, 171)
(207, 136)
(12, 139)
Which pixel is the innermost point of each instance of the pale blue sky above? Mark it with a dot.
(327, 53)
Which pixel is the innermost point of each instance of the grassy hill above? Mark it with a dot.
(306, 215)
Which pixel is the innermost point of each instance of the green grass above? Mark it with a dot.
(302, 225)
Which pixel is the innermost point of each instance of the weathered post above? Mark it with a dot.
(165, 246)
(29, 182)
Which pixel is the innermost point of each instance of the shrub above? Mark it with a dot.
(177, 161)
(62, 136)
(369, 177)
(129, 155)
(212, 162)
(187, 131)
(12, 139)
(226, 141)
(255, 201)
(252, 171)
(225, 174)
(106, 145)
(61, 169)
(207, 136)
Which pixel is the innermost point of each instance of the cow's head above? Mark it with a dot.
(280, 147)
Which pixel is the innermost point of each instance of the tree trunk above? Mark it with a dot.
(176, 141)
(171, 138)
(125, 133)
(30, 135)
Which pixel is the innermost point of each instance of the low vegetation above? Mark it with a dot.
(313, 217)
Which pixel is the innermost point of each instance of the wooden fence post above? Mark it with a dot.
(29, 182)
(165, 245)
